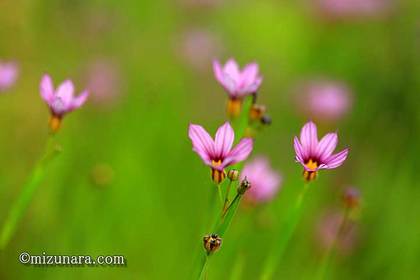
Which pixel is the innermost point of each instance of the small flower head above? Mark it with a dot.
(237, 83)
(8, 75)
(265, 181)
(315, 155)
(351, 197)
(257, 112)
(218, 153)
(60, 101)
(212, 243)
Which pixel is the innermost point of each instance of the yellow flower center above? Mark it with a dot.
(311, 164)
(217, 175)
(310, 175)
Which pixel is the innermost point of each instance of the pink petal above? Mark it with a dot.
(224, 140)
(46, 89)
(79, 101)
(203, 144)
(65, 92)
(336, 160)
(232, 69)
(309, 138)
(218, 72)
(300, 153)
(249, 74)
(326, 146)
(239, 153)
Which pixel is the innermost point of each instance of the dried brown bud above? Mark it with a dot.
(256, 112)
(212, 243)
(266, 120)
(244, 186)
(233, 174)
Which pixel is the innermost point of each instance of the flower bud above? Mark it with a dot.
(233, 174)
(212, 243)
(244, 186)
(351, 197)
(266, 120)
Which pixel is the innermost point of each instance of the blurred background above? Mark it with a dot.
(127, 182)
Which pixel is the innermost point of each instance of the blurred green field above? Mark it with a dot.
(153, 204)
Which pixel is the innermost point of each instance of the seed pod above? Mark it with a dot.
(244, 186)
(233, 174)
(266, 120)
(212, 243)
(256, 112)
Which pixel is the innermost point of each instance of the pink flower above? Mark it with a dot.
(265, 182)
(314, 155)
(326, 100)
(218, 153)
(61, 100)
(352, 8)
(237, 83)
(8, 75)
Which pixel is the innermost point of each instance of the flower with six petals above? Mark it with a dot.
(218, 153)
(315, 155)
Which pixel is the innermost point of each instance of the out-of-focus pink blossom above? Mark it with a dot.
(237, 83)
(61, 100)
(315, 155)
(8, 75)
(218, 153)
(265, 182)
(325, 100)
(198, 47)
(328, 229)
(103, 82)
(352, 8)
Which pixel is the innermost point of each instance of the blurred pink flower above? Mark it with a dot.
(237, 83)
(328, 228)
(314, 155)
(352, 8)
(325, 100)
(8, 75)
(265, 182)
(218, 153)
(61, 100)
(103, 82)
(198, 47)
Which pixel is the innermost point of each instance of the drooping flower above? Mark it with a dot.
(60, 101)
(315, 155)
(351, 197)
(8, 75)
(325, 100)
(218, 153)
(265, 182)
(237, 83)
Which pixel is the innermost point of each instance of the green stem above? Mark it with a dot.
(287, 231)
(227, 196)
(219, 190)
(20, 205)
(331, 249)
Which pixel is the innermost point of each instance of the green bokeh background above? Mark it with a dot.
(154, 209)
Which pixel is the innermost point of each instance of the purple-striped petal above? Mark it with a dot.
(223, 140)
(309, 139)
(249, 74)
(46, 89)
(326, 146)
(203, 144)
(218, 71)
(239, 153)
(336, 160)
(300, 153)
